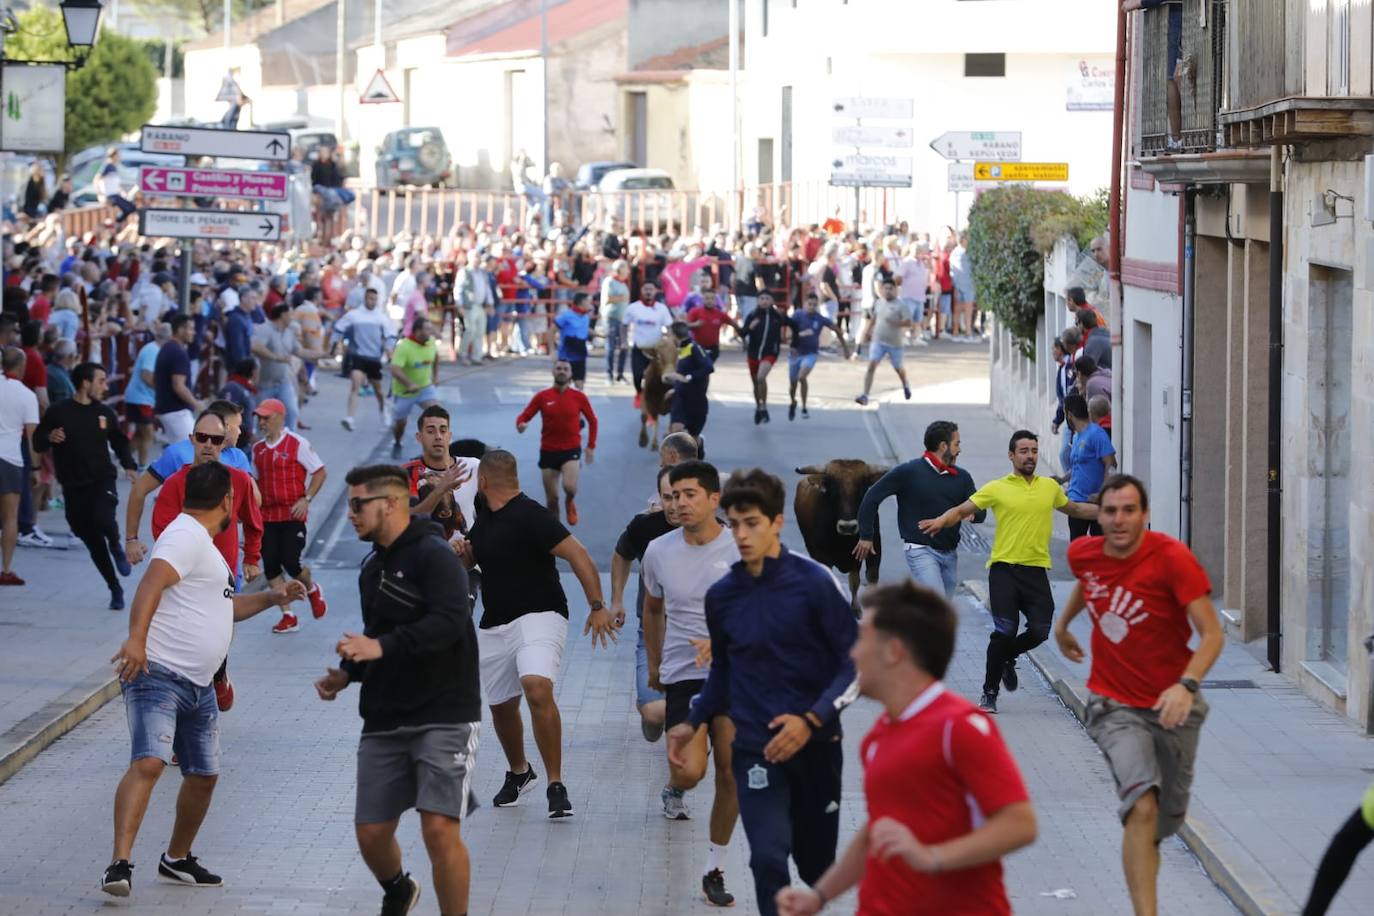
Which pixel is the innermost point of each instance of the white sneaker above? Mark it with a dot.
(348, 423)
(37, 538)
(674, 804)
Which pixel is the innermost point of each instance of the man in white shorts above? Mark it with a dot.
(524, 626)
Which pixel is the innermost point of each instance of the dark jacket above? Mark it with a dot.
(922, 492)
(415, 603)
(82, 459)
(1098, 345)
(238, 337)
(779, 644)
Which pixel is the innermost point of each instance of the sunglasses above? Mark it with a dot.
(203, 438)
(356, 503)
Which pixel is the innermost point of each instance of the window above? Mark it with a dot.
(985, 65)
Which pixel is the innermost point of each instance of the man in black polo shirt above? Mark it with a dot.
(516, 542)
(925, 487)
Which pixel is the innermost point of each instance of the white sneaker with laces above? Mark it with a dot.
(348, 423)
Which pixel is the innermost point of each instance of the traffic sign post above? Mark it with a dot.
(271, 145)
(871, 171)
(859, 170)
(860, 135)
(378, 91)
(980, 146)
(236, 184)
(225, 225)
(882, 109)
(1021, 171)
(960, 177)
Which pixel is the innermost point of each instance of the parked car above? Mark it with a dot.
(625, 191)
(85, 165)
(311, 139)
(414, 156)
(589, 174)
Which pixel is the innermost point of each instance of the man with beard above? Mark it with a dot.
(563, 410)
(443, 486)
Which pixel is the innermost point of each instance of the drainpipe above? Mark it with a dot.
(1115, 244)
(1185, 426)
(1274, 541)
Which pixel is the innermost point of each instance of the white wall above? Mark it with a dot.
(205, 71)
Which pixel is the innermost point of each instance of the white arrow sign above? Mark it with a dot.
(206, 141)
(210, 224)
(983, 146)
(871, 172)
(864, 107)
(960, 177)
(868, 135)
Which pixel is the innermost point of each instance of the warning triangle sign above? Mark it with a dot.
(228, 90)
(378, 91)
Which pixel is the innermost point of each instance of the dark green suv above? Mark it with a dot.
(413, 156)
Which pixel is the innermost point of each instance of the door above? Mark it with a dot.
(765, 160)
(637, 136)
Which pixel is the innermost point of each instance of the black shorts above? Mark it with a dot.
(282, 546)
(139, 414)
(554, 461)
(678, 701)
(579, 369)
(691, 416)
(371, 368)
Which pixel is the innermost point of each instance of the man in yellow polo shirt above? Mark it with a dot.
(1018, 570)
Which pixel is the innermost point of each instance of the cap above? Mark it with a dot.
(162, 277)
(199, 279)
(269, 407)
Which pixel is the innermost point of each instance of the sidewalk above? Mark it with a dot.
(1277, 773)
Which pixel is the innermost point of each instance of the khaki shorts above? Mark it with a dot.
(428, 768)
(1144, 755)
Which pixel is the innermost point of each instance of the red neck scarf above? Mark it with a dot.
(940, 466)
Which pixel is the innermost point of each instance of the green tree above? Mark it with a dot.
(113, 94)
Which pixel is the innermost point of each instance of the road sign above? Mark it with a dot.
(210, 224)
(883, 109)
(207, 141)
(228, 90)
(34, 102)
(871, 172)
(960, 177)
(980, 146)
(869, 136)
(1021, 171)
(235, 183)
(378, 91)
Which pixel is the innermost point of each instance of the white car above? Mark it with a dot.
(625, 191)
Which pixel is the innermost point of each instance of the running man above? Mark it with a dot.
(371, 335)
(574, 336)
(647, 320)
(1018, 570)
(946, 801)
(925, 487)
(706, 320)
(290, 475)
(417, 661)
(887, 333)
(781, 629)
(689, 378)
(562, 409)
(806, 328)
(1142, 590)
(678, 569)
(763, 335)
(516, 543)
(414, 363)
(442, 486)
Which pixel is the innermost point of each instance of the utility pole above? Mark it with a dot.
(339, 51)
(377, 32)
(736, 195)
(227, 21)
(544, 56)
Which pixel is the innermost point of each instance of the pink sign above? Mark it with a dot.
(166, 181)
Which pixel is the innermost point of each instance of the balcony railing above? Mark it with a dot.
(1259, 69)
(1201, 83)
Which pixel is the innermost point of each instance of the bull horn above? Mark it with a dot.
(810, 469)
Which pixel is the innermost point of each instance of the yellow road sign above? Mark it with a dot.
(1020, 171)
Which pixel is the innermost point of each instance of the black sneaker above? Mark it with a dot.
(1009, 678)
(187, 871)
(559, 806)
(118, 878)
(806, 414)
(403, 900)
(792, 411)
(516, 785)
(988, 703)
(713, 886)
(758, 416)
(395, 450)
(766, 418)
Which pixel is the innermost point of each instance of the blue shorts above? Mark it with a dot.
(799, 361)
(946, 300)
(401, 407)
(876, 351)
(170, 715)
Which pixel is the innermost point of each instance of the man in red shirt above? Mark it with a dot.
(560, 441)
(945, 798)
(706, 320)
(1142, 590)
(290, 475)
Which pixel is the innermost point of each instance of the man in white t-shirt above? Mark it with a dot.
(180, 625)
(678, 568)
(648, 320)
(18, 418)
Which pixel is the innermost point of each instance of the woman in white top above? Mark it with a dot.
(107, 185)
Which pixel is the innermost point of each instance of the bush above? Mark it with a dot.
(1010, 231)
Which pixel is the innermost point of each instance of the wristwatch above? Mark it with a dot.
(1189, 683)
(598, 606)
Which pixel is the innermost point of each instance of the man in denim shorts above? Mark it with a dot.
(180, 626)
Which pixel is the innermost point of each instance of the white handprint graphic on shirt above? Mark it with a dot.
(1123, 610)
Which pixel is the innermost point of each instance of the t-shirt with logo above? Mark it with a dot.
(194, 621)
(647, 323)
(281, 469)
(680, 573)
(1138, 608)
(941, 769)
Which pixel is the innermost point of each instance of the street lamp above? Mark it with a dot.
(82, 18)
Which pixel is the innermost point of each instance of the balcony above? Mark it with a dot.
(1202, 59)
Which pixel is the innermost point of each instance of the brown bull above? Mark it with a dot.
(827, 511)
(656, 394)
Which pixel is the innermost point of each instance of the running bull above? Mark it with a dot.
(827, 511)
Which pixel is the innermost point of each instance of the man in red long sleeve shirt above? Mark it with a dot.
(560, 442)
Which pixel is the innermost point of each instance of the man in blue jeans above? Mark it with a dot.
(180, 626)
(925, 487)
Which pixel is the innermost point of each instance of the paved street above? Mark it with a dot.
(280, 829)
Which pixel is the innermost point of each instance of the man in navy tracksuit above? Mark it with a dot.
(690, 378)
(781, 629)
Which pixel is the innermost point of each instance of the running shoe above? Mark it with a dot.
(713, 886)
(38, 538)
(402, 901)
(1009, 678)
(118, 879)
(792, 411)
(516, 785)
(988, 703)
(758, 416)
(637, 399)
(652, 731)
(187, 871)
(906, 392)
(395, 450)
(572, 512)
(675, 804)
(224, 692)
(806, 414)
(117, 599)
(766, 417)
(366, 391)
(559, 806)
(862, 400)
(347, 423)
(9, 578)
(121, 560)
(287, 624)
(317, 605)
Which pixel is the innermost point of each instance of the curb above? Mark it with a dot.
(26, 739)
(1238, 874)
